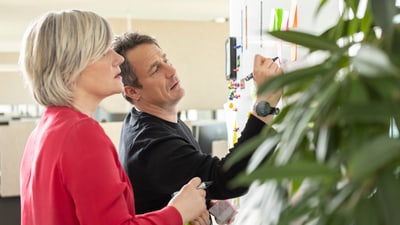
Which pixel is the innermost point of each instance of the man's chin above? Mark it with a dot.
(179, 96)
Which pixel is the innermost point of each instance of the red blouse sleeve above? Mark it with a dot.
(97, 183)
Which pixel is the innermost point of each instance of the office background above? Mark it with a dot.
(188, 33)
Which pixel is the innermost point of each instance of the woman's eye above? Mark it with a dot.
(106, 53)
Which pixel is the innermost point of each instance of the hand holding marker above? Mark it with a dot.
(250, 76)
(203, 185)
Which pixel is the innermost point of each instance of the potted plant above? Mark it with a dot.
(334, 150)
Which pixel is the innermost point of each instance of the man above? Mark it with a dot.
(157, 149)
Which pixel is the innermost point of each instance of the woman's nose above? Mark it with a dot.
(119, 58)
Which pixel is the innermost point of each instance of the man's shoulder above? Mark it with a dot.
(146, 123)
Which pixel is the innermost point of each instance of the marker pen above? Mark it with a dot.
(203, 185)
(250, 76)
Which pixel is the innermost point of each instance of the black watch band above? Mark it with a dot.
(263, 108)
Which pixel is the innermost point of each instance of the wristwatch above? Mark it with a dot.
(263, 108)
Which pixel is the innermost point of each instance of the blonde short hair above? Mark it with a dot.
(56, 48)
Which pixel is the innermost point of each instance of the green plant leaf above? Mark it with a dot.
(383, 87)
(366, 21)
(337, 118)
(383, 12)
(372, 61)
(251, 145)
(388, 197)
(358, 92)
(293, 171)
(300, 75)
(337, 201)
(367, 112)
(373, 156)
(301, 207)
(301, 118)
(320, 6)
(366, 213)
(395, 50)
(260, 154)
(307, 40)
(353, 27)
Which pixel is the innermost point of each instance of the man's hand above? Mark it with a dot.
(190, 201)
(203, 219)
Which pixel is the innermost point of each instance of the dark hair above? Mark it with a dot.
(122, 44)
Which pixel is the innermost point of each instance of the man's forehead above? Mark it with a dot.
(145, 56)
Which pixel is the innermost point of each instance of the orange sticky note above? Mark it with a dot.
(293, 14)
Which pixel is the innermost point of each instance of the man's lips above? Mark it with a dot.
(175, 85)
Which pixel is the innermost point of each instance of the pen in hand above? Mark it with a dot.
(203, 185)
(250, 76)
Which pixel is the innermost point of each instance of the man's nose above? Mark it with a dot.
(170, 70)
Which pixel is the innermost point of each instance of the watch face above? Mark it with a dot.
(263, 108)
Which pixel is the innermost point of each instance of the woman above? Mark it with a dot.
(70, 173)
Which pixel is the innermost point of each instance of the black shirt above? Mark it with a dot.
(160, 157)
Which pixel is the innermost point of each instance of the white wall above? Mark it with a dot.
(197, 51)
(251, 27)
(195, 48)
(250, 22)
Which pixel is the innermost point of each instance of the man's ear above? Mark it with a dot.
(132, 92)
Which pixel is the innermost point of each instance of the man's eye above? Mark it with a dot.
(155, 70)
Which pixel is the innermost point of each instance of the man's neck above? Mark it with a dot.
(167, 113)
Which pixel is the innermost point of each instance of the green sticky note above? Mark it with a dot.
(278, 19)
